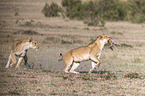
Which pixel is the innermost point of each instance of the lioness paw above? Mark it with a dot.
(74, 72)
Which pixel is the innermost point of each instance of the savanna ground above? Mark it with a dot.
(21, 19)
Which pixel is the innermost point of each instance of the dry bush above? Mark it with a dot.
(51, 39)
(90, 77)
(27, 32)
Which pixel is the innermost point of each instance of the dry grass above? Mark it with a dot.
(58, 35)
(50, 82)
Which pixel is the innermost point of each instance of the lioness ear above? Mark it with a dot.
(100, 36)
(30, 39)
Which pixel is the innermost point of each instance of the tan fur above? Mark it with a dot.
(90, 52)
(20, 48)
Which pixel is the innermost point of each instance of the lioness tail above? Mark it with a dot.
(60, 59)
(60, 56)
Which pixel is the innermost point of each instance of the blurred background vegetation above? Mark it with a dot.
(97, 12)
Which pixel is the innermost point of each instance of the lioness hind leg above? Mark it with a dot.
(8, 63)
(19, 61)
(68, 62)
(75, 65)
(13, 60)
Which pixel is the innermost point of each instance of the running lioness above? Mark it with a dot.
(20, 49)
(91, 52)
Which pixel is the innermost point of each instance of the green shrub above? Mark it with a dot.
(107, 9)
(132, 75)
(104, 76)
(138, 18)
(73, 8)
(65, 42)
(136, 11)
(96, 12)
(86, 11)
(51, 10)
(109, 76)
(13, 92)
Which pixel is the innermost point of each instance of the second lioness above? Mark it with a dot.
(91, 52)
(20, 49)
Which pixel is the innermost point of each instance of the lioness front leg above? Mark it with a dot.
(25, 60)
(95, 63)
(75, 65)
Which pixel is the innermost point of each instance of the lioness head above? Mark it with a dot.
(107, 39)
(33, 44)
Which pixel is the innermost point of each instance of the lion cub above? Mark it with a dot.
(20, 49)
(91, 52)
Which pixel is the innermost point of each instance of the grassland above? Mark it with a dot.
(21, 19)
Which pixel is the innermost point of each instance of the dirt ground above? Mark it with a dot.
(22, 19)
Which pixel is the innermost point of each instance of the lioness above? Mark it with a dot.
(91, 52)
(20, 49)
